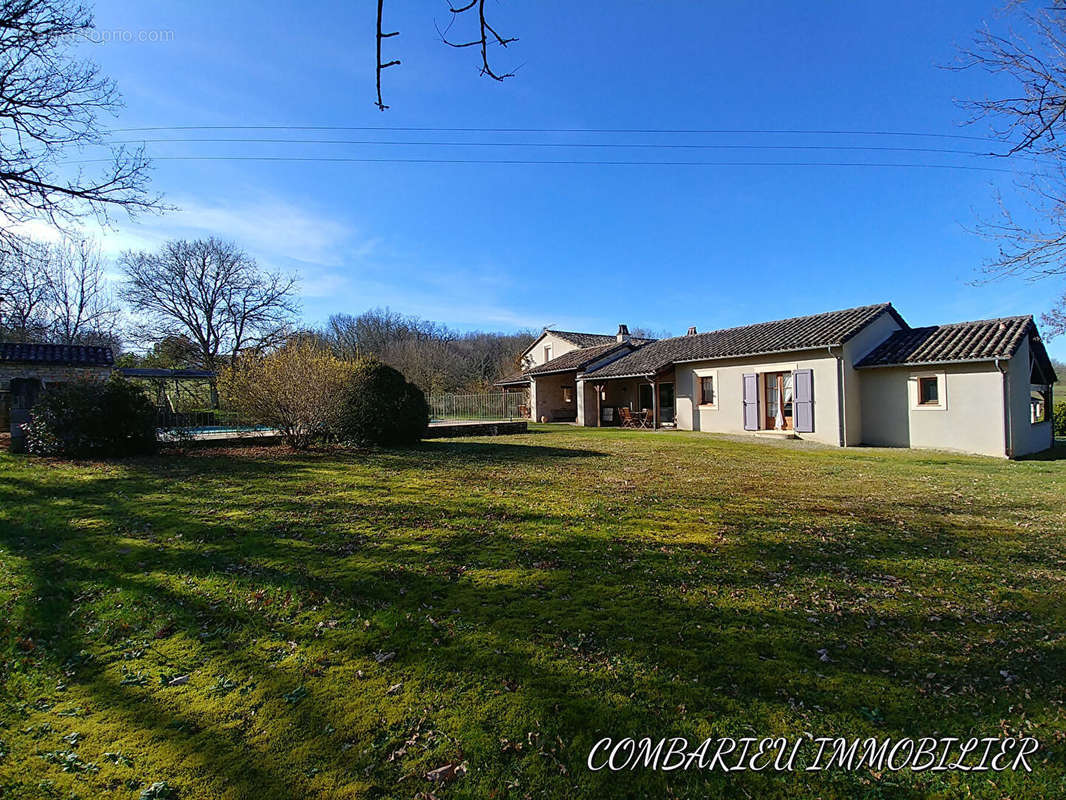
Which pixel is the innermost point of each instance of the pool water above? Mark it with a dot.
(225, 429)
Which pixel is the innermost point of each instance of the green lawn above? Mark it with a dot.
(348, 622)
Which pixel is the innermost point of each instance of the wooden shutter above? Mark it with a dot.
(803, 400)
(751, 402)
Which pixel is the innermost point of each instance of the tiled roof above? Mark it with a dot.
(982, 340)
(71, 354)
(780, 336)
(513, 380)
(583, 339)
(592, 339)
(576, 359)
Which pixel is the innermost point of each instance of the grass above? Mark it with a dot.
(265, 624)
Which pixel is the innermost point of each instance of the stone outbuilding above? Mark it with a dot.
(28, 369)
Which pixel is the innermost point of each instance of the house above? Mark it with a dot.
(27, 369)
(553, 360)
(850, 377)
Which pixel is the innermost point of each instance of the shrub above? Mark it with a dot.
(92, 418)
(1058, 419)
(380, 407)
(295, 389)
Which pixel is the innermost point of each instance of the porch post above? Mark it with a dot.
(579, 402)
(654, 402)
(598, 387)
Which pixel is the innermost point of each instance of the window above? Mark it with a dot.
(706, 389)
(928, 391)
(644, 396)
(568, 394)
(547, 353)
(1038, 404)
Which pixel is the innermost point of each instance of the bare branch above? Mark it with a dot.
(49, 102)
(1028, 121)
(382, 65)
(487, 35)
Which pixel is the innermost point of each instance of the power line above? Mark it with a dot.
(669, 131)
(613, 145)
(523, 162)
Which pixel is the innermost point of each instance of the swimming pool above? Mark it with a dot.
(208, 429)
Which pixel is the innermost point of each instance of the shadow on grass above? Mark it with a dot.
(548, 626)
(1056, 453)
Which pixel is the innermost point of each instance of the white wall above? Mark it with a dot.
(969, 418)
(535, 356)
(1027, 437)
(854, 350)
(727, 415)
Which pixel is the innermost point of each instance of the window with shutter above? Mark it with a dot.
(803, 401)
(751, 402)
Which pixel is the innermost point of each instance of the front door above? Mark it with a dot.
(778, 401)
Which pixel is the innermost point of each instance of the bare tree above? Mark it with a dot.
(430, 355)
(1030, 123)
(50, 104)
(486, 37)
(212, 292)
(58, 293)
(81, 305)
(24, 288)
(1055, 320)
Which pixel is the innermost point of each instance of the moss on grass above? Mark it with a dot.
(268, 624)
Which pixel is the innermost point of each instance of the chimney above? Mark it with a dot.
(692, 330)
(623, 333)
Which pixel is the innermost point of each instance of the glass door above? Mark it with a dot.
(778, 401)
(666, 402)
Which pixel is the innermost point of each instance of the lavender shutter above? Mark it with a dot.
(803, 400)
(751, 402)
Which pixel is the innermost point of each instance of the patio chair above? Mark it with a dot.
(646, 419)
(627, 418)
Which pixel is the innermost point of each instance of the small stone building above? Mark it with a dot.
(28, 369)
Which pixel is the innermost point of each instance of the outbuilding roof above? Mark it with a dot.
(66, 354)
(779, 336)
(513, 380)
(980, 340)
(154, 372)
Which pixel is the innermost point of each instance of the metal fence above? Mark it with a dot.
(488, 406)
(202, 420)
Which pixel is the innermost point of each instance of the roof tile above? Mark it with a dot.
(785, 335)
(75, 354)
(980, 340)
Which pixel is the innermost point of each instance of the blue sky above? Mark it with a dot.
(575, 246)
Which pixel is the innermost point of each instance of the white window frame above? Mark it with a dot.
(705, 373)
(1045, 392)
(941, 391)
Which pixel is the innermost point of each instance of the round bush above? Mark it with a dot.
(379, 407)
(88, 418)
(1058, 418)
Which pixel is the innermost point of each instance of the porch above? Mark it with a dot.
(603, 400)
